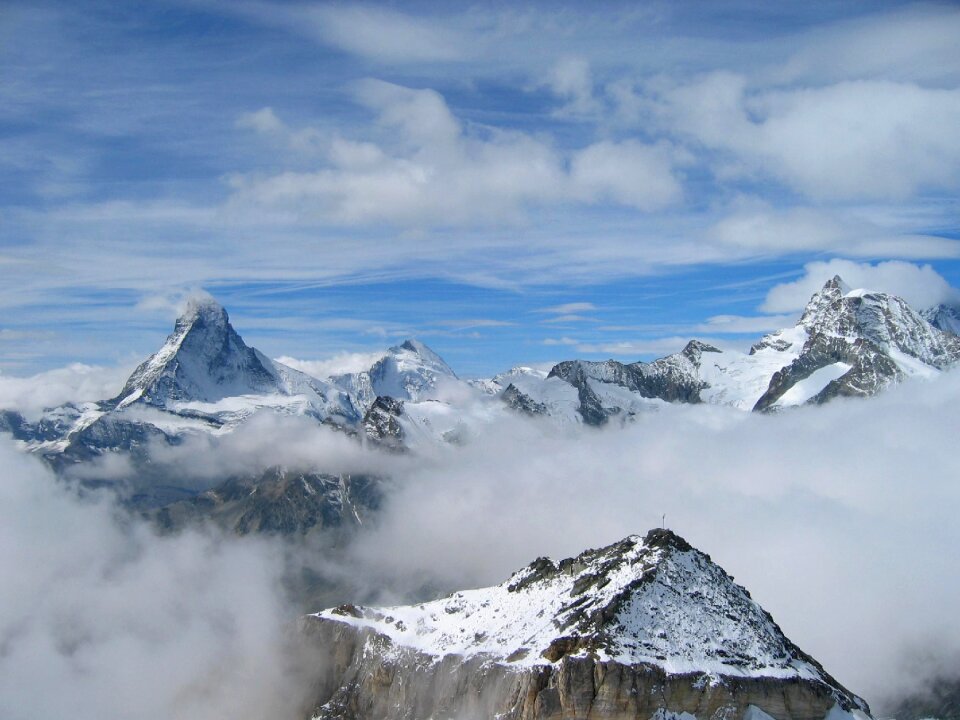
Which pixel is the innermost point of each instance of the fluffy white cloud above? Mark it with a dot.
(570, 79)
(756, 228)
(847, 140)
(919, 285)
(102, 618)
(918, 41)
(430, 170)
(344, 362)
(74, 383)
(627, 173)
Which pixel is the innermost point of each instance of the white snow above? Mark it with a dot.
(687, 617)
(807, 388)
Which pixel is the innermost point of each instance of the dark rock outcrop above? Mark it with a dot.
(278, 502)
(521, 402)
(381, 423)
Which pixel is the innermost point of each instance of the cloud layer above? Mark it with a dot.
(839, 519)
(101, 618)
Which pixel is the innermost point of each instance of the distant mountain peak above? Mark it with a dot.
(203, 359)
(944, 317)
(203, 307)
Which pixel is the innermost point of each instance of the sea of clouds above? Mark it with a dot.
(840, 520)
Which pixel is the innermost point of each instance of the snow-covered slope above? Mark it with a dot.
(653, 600)
(410, 371)
(944, 317)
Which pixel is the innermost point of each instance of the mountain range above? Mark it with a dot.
(205, 381)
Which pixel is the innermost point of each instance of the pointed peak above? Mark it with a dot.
(202, 306)
(412, 344)
(836, 283)
(695, 347)
(421, 350)
(665, 538)
(415, 346)
(650, 600)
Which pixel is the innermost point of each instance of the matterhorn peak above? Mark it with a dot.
(202, 306)
(203, 359)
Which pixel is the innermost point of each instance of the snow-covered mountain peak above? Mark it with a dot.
(652, 600)
(413, 353)
(203, 359)
(823, 302)
(206, 369)
(203, 308)
(410, 371)
(886, 321)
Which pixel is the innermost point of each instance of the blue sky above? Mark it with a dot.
(510, 183)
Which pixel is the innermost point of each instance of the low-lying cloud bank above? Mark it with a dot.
(100, 618)
(73, 383)
(839, 519)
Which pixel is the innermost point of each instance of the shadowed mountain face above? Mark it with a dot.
(278, 502)
(646, 625)
(941, 701)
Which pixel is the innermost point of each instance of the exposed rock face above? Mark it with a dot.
(866, 340)
(279, 501)
(520, 401)
(381, 423)
(643, 626)
(673, 379)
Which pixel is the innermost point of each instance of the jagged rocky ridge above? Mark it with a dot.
(847, 343)
(646, 625)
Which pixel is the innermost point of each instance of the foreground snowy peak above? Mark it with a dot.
(645, 627)
(651, 600)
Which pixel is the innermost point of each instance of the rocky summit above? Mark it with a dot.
(645, 627)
